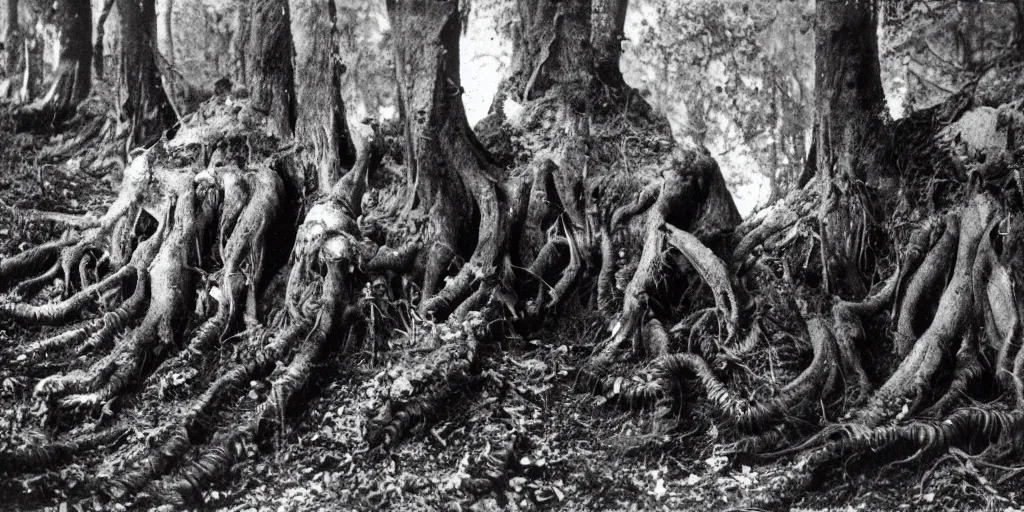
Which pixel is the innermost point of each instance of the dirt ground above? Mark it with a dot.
(554, 448)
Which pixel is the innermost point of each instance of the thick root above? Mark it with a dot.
(964, 426)
(814, 382)
(51, 314)
(99, 332)
(907, 384)
(715, 274)
(195, 421)
(927, 284)
(423, 387)
(217, 460)
(32, 261)
(41, 457)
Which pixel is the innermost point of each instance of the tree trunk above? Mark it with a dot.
(73, 76)
(552, 58)
(1018, 7)
(12, 36)
(455, 179)
(146, 105)
(550, 48)
(168, 27)
(849, 157)
(609, 22)
(98, 50)
(240, 39)
(269, 54)
(321, 125)
(74, 70)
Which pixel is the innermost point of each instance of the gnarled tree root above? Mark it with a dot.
(426, 384)
(815, 382)
(186, 486)
(41, 457)
(906, 385)
(998, 428)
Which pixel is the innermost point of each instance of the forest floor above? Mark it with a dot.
(572, 451)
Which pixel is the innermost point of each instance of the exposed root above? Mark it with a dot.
(420, 389)
(32, 260)
(634, 302)
(606, 277)
(715, 274)
(968, 368)
(775, 438)
(186, 487)
(572, 271)
(671, 206)
(60, 312)
(926, 285)
(814, 383)
(496, 468)
(394, 260)
(962, 427)
(193, 424)
(37, 458)
(784, 215)
(99, 332)
(907, 385)
(630, 393)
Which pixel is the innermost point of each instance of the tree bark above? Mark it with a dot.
(609, 30)
(97, 51)
(321, 125)
(12, 36)
(850, 104)
(269, 54)
(455, 179)
(1018, 7)
(146, 106)
(550, 48)
(240, 39)
(74, 70)
(168, 26)
(552, 57)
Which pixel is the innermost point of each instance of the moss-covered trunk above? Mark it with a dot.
(850, 160)
(609, 23)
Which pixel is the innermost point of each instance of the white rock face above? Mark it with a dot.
(980, 140)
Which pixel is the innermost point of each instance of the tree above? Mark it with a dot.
(609, 23)
(850, 105)
(147, 108)
(269, 64)
(453, 178)
(168, 28)
(12, 40)
(571, 187)
(73, 76)
(101, 29)
(240, 40)
(321, 123)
